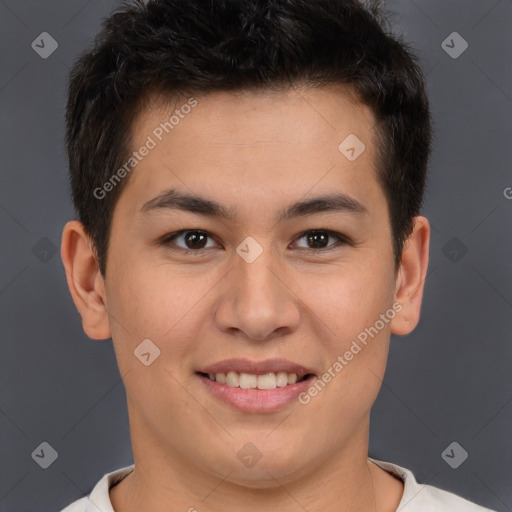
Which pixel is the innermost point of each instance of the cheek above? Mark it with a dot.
(156, 303)
(356, 347)
(346, 301)
(349, 304)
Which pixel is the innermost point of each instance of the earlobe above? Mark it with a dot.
(411, 278)
(84, 280)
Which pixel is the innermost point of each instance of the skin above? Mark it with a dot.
(255, 152)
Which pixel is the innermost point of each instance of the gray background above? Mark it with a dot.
(447, 381)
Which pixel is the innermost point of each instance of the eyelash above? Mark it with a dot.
(341, 240)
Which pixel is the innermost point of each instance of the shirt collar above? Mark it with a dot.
(99, 499)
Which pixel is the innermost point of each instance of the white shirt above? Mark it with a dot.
(416, 497)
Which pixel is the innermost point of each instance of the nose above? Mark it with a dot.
(257, 299)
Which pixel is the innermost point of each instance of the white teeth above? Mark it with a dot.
(281, 380)
(267, 381)
(251, 381)
(231, 379)
(248, 381)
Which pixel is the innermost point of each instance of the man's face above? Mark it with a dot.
(255, 286)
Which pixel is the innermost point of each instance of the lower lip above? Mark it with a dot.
(256, 400)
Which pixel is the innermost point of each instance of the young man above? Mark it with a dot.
(248, 177)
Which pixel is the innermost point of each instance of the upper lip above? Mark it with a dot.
(256, 367)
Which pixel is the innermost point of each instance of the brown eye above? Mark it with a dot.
(193, 240)
(318, 240)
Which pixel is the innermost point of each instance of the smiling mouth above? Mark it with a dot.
(251, 381)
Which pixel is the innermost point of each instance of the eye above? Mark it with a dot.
(318, 238)
(194, 240)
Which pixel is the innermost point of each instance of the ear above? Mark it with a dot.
(85, 281)
(411, 278)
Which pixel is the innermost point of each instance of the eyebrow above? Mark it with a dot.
(330, 203)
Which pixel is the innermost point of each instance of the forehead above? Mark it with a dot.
(241, 116)
(255, 143)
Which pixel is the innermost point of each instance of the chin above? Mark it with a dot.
(260, 468)
(262, 476)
